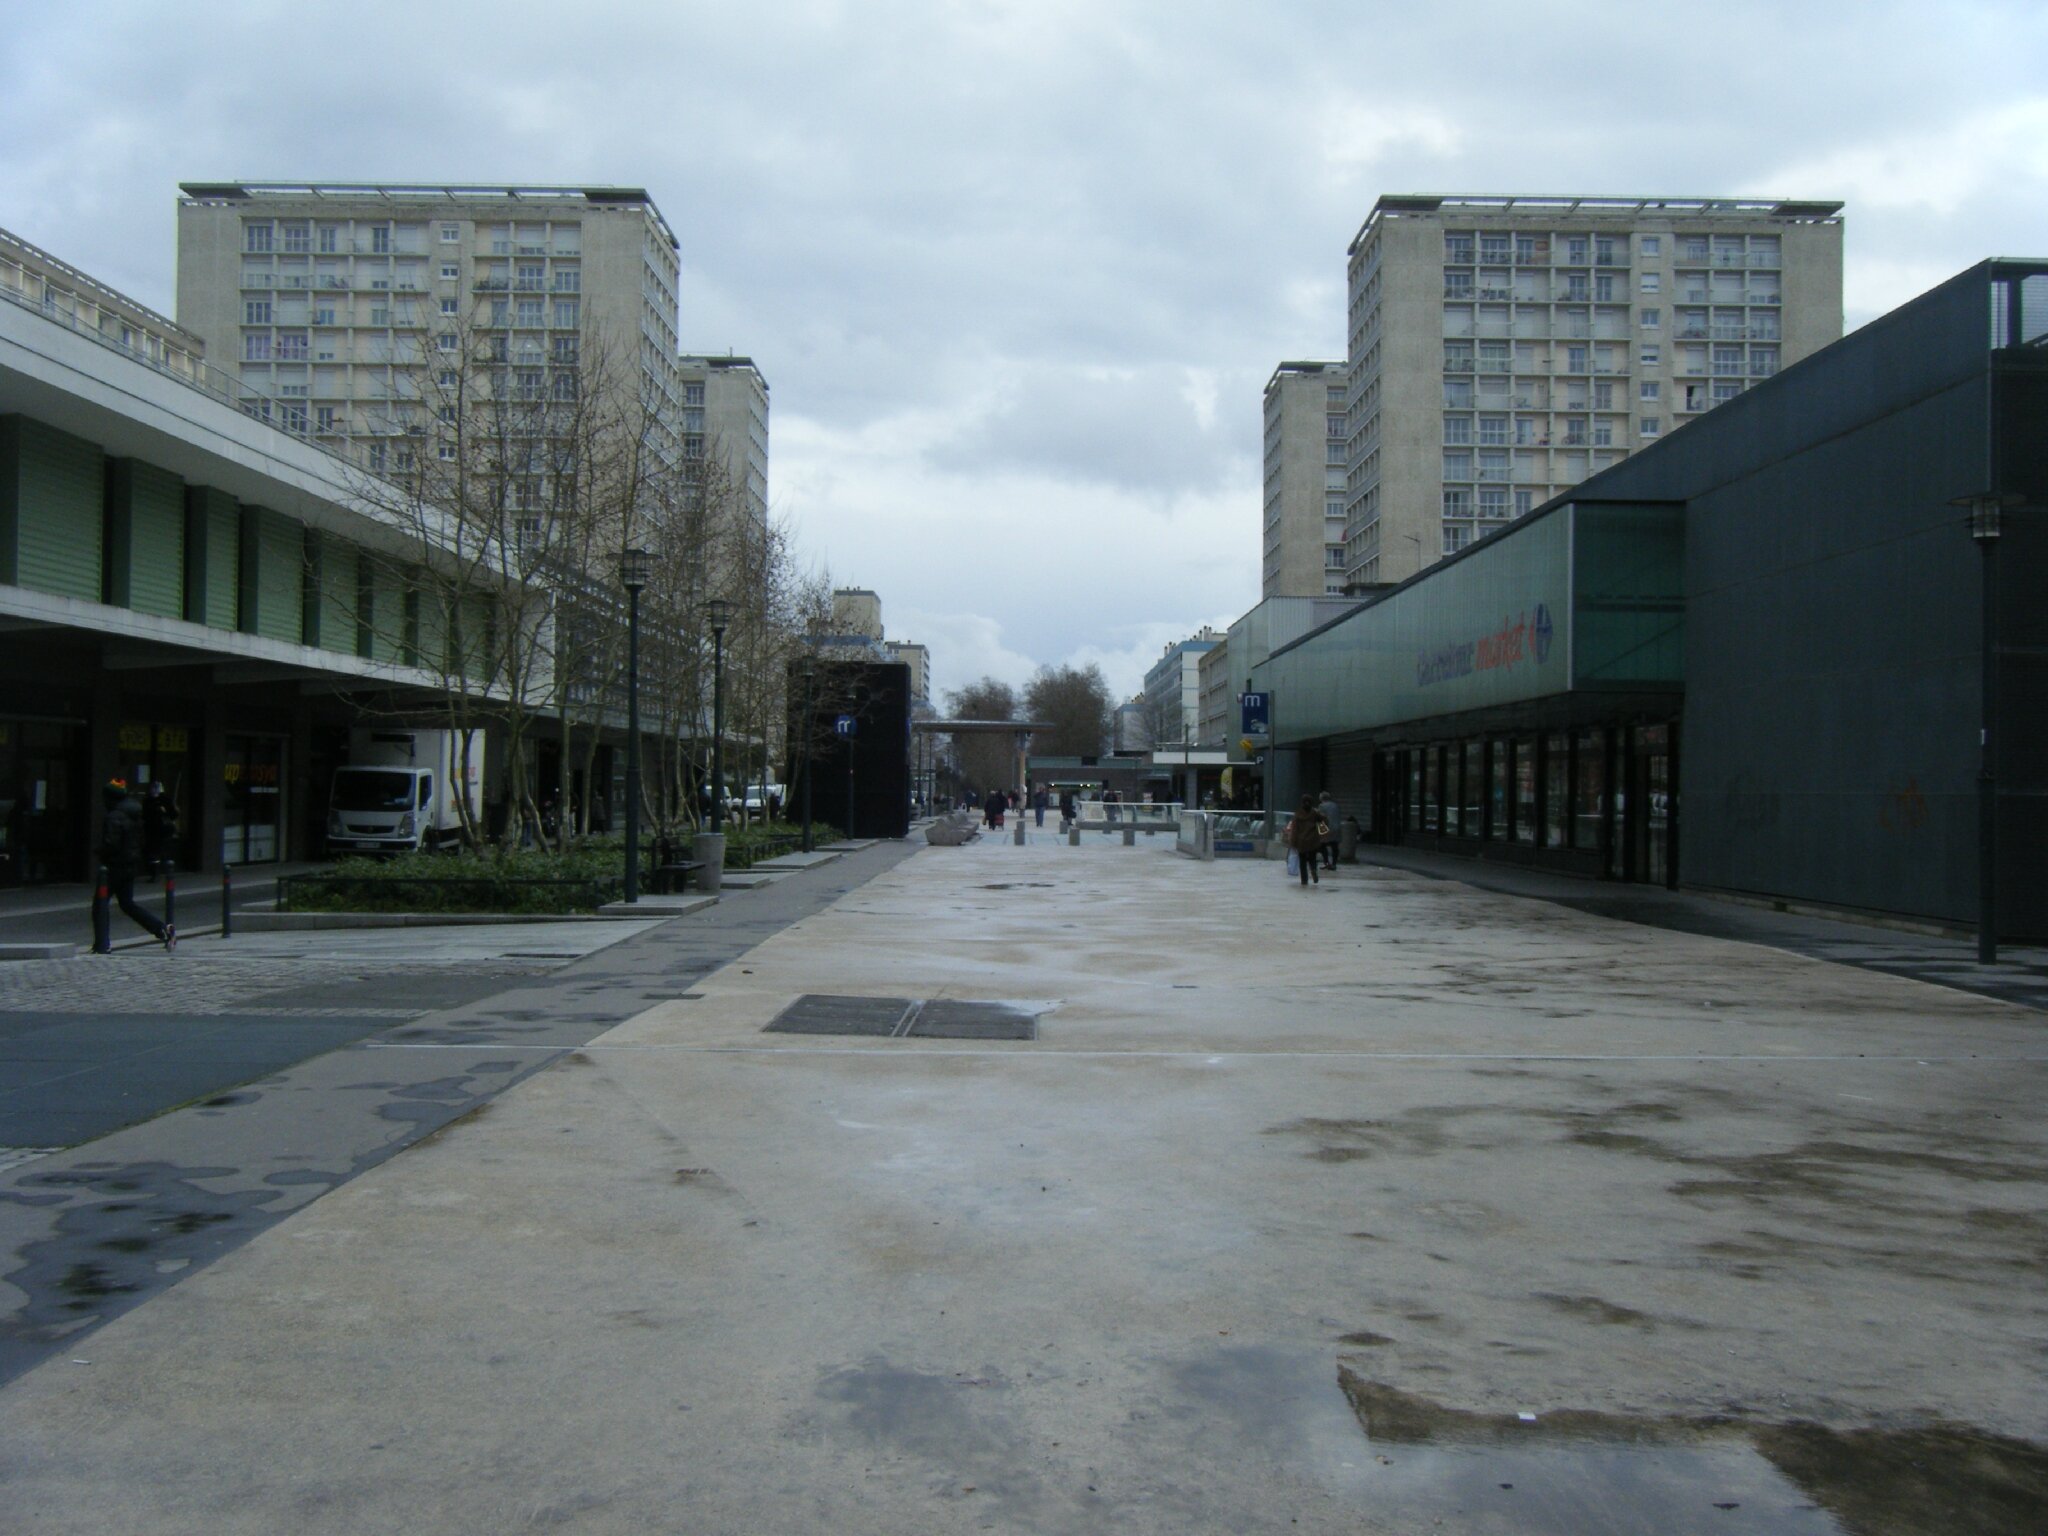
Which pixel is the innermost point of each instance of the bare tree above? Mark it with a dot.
(987, 760)
(1074, 702)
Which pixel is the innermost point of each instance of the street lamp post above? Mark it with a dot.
(635, 567)
(718, 609)
(809, 667)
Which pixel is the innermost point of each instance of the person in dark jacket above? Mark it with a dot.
(1326, 808)
(1304, 835)
(122, 851)
(159, 827)
(992, 809)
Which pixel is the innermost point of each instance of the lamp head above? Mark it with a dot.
(636, 569)
(717, 610)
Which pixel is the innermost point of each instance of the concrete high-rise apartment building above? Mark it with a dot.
(1305, 471)
(1502, 349)
(919, 659)
(334, 302)
(725, 421)
(1173, 689)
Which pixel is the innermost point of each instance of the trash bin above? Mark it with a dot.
(1349, 836)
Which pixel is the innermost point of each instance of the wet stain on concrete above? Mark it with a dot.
(1594, 1310)
(108, 1255)
(1926, 1480)
(1365, 1339)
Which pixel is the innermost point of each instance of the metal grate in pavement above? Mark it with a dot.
(950, 1018)
(823, 1013)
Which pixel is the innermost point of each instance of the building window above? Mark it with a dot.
(1652, 282)
(1651, 389)
(1493, 502)
(1525, 503)
(693, 394)
(450, 271)
(445, 342)
(298, 238)
(1457, 503)
(323, 418)
(1458, 248)
(567, 312)
(329, 236)
(256, 312)
(451, 233)
(1725, 390)
(1763, 361)
(1493, 429)
(256, 237)
(450, 306)
(1727, 359)
(256, 346)
(1457, 429)
(1652, 319)
(291, 346)
(1650, 356)
(527, 277)
(1653, 245)
(1650, 426)
(565, 349)
(380, 238)
(530, 311)
(1456, 537)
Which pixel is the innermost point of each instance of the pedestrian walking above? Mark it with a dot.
(1304, 836)
(1327, 809)
(159, 827)
(992, 810)
(1039, 799)
(1069, 810)
(121, 850)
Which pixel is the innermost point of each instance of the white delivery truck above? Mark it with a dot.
(399, 791)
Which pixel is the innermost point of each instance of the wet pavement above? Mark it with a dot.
(1389, 1205)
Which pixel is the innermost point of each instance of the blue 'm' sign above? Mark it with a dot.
(845, 725)
(1255, 709)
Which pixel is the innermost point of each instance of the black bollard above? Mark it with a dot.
(170, 894)
(227, 909)
(102, 916)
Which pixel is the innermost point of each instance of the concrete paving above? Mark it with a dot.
(1281, 1162)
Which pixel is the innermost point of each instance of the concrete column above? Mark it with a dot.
(209, 771)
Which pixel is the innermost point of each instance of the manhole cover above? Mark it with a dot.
(822, 1013)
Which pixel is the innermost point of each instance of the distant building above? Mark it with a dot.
(1173, 688)
(1503, 349)
(725, 421)
(1214, 727)
(1303, 535)
(919, 659)
(1129, 730)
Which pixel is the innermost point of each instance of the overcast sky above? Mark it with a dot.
(1017, 272)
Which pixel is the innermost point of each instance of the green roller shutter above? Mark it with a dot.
(213, 557)
(52, 508)
(280, 577)
(146, 538)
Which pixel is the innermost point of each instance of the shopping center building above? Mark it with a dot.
(187, 594)
(1751, 657)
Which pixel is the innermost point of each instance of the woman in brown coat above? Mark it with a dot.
(1305, 833)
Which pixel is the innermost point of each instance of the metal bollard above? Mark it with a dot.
(170, 894)
(102, 916)
(227, 909)
(1018, 836)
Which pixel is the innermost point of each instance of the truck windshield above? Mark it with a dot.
(367, 789)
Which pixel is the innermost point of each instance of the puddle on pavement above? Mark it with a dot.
(1579, 1473)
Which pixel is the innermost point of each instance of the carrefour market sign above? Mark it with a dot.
(1520, 639)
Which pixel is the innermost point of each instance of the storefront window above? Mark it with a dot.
(1432, 771)
(1525, 790)
(1589, 790)
(1474, 754)
(1497, 797)
(1557, 797)
(1417, 812)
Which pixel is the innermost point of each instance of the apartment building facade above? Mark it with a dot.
(1503, 349)
(725, 422)
(1305, 443)
(348, 309)
(1173, 689)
